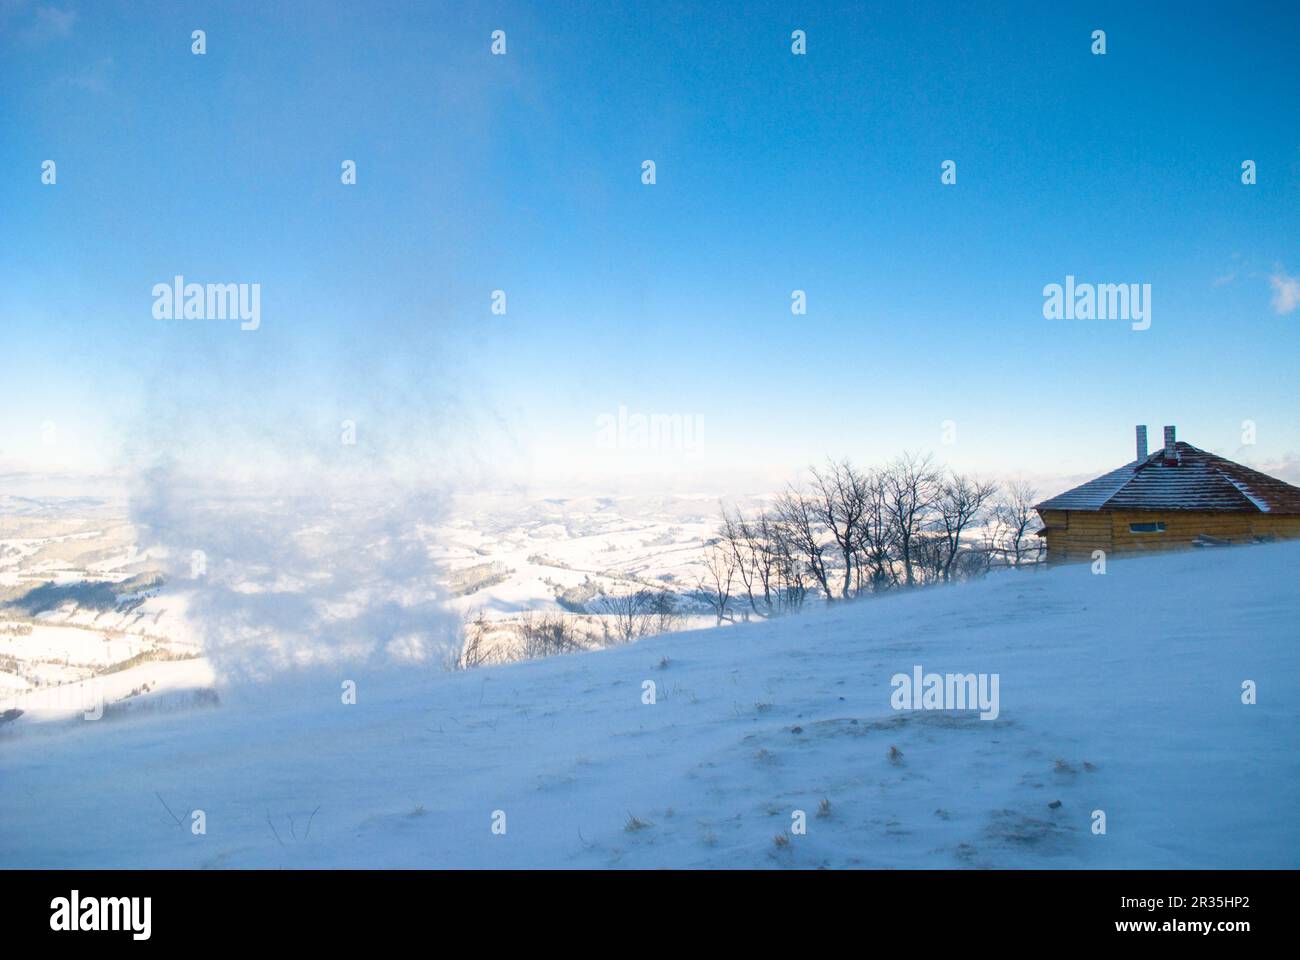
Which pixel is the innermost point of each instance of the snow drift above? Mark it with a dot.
(1120, 694)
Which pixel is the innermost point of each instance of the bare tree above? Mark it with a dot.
(664, 613)
(736, 535)
(804, 535)
(993, 535)
(874, 543)
(547, 634)
(1016, 514)
(762, 537)
(838, 501)
(790, 585)
(910, 484)
(626, 617)
(848, 533)
(960, 501)
(928, 554)
(474, 649)
(716, 583)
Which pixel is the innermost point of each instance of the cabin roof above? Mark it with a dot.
(1193, 480)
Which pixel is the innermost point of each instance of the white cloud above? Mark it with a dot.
(93, 78)
(1286, 292)
(50, 23)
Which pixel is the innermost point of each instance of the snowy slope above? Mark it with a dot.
(526, 553)
(1136, 673)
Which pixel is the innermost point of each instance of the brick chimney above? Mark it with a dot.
(1142, 443)
(1171, 455)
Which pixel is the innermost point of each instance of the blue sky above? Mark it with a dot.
(523, 173)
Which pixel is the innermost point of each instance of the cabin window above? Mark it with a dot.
(1157, 526)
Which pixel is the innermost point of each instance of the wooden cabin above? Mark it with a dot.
(1179, 496)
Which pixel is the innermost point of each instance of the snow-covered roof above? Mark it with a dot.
(1193, 480)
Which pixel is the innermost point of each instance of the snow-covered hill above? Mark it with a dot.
(504, 556)
(1119, 693)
